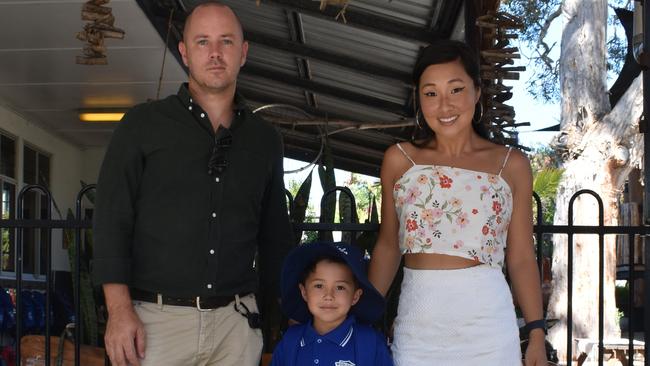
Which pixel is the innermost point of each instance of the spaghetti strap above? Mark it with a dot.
(405, 154)
(505, 161)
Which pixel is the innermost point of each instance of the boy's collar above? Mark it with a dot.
(340, 335)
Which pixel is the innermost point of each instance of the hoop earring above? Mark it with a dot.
(417, 119)
(480, 116)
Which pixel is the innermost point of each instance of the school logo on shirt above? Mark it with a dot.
(344, 363)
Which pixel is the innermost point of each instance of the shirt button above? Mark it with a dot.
(316, 361)
(214, 214)
(209, 285)
(319, 340)
(202, 115)
(211, 251)
(191, 100)
(216, 179)
(190, 107)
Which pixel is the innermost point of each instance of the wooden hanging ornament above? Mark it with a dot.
(100, 25)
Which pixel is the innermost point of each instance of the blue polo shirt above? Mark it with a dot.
(303, 346)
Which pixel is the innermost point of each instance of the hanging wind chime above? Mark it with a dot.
(100, 25)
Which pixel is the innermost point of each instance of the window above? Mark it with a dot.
(8, 184)
(36, 170)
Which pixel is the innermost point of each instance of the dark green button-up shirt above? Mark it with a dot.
(163, 224)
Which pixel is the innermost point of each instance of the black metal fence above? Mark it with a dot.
(539, 229)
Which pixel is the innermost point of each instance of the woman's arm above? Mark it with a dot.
(386, 255)
(520, 254)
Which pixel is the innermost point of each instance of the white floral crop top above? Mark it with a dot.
(453, 211)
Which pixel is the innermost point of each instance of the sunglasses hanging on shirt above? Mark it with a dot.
(219, 159)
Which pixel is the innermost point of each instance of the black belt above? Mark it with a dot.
(201, 303)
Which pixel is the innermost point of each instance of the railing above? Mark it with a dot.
(21, 223)
(539, 229)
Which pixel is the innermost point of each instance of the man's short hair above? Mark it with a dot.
(210, 3)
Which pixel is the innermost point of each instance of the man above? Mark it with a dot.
(190, 189)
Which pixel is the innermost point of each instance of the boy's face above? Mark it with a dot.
(329, 292)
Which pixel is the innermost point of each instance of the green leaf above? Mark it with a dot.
(546, 181)
(301, 201)
(328, 182)
(347, 213)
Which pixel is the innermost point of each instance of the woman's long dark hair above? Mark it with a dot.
(440, 52)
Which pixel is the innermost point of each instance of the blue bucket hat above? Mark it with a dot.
(368, 309)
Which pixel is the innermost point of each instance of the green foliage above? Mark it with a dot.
(367, 239)
(544, 157)
(545, 163)
(89, 317)
(544, 84)
(6, 244)
(545, 183)
(310, 214)
(347, 213)
(301, 204)
(365, 193)
(328, 182)
(542, 51)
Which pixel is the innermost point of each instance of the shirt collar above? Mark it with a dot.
(340, 335)
(240, 108)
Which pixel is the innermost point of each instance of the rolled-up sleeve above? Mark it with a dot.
(114, 214)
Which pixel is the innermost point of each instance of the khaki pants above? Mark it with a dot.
(185, 336)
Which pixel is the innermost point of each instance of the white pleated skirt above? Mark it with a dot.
(457, 317)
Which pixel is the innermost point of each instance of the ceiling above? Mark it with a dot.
(346, 83)
(40, 80)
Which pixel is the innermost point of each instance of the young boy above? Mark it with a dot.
(326, 289)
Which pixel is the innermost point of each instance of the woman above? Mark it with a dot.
(450, 204)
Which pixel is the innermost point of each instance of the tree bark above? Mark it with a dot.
(600, 147)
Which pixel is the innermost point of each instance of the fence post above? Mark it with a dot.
(19, 271)
(77, 276)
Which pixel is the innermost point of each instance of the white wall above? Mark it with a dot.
(68, 167)
(92, 161)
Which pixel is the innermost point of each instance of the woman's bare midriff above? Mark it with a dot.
(437, 261)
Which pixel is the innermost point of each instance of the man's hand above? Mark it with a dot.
(125, 337)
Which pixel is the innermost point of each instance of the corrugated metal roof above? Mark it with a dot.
(358, 82)
(390, 51)
(417, 12)
(272, 59)
(360, 112)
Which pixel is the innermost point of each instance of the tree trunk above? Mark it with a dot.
(600, 147)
